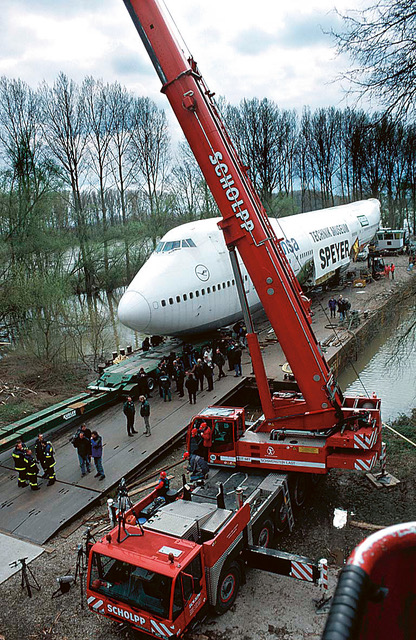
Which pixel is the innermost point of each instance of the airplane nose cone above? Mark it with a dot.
(134, 311)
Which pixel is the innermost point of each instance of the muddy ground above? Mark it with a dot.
(268, 607)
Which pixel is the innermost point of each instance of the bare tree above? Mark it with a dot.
(64, 128)
(99, 117)
(123, 161)
(193, 199)
(381, 41)
(151, 146)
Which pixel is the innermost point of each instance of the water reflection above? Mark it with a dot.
(388, 367)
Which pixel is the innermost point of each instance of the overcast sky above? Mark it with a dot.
(264, 48)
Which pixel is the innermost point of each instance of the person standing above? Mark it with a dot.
(206, 434)
(392, 268)
(129, 411)
(219, 360)
(191, 385)
(208, 369)
(198, 372)
(179, 376)
(97, 454)
(236, 359)
(83, 446)
(31, 470)
(164, 382)
(40, 454)
(195, 442)
(20, 464)
(340, 304)
(49, 462)
(332, 304)
(145, 413)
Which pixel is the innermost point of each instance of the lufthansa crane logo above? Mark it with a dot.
(202, 272)
(270, 451)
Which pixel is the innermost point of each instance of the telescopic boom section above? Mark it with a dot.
(245, 224)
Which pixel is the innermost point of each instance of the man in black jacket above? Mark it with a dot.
(83, 446)
(145, 413)
(219, 360)
(129, 411)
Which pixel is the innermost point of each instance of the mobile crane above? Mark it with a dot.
(316, 428)
(165, 560)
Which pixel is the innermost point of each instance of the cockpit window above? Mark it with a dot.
(174, 244)
(169, 246)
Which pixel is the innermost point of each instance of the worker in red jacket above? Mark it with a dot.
(163, 486)
(206, 433)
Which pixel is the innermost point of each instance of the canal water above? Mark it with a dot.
(388, 367)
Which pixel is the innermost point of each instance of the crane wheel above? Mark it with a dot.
(228, 586)
(299, 489)
(280, 516)
(264, 534)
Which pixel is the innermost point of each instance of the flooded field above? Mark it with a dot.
(388, 367)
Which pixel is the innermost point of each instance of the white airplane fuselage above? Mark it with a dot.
(187, 285)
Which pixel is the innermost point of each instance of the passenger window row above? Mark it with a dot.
(202, 292)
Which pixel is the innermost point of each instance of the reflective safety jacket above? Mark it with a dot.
(49, 455)
(18, 456)
(31, 466)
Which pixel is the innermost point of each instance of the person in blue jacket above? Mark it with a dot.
(97, 454)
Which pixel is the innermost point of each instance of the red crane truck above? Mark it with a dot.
(316, 428)
(168, 559)
(165, 562)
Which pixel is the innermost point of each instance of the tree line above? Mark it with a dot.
(89, 180)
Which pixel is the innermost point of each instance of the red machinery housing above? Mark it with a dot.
(376, 593)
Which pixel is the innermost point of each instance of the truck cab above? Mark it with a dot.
(156, 584)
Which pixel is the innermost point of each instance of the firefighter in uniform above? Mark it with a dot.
(163, 486)
(31, 470)
(49, 456)
(20, 463)
(40, 454)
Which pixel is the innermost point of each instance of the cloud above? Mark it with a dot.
(62, 9)
(128, 64)
(308, 30)
(253, 41)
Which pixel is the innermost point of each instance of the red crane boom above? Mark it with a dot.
(320, 407)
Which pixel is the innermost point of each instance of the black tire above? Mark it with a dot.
(228, 586)
(280, 516)
(264, 534)
(150, 384)
(299, 489)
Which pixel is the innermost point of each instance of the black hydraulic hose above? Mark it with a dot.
(348, 605)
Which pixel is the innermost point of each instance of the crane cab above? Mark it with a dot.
(227, 426)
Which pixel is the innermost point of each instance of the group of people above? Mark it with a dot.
(197, 456)
(341, 305)
(89, 445)
(389, 269)
(187, 371)
(129, 411)
(26, 464)
(194, 367)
